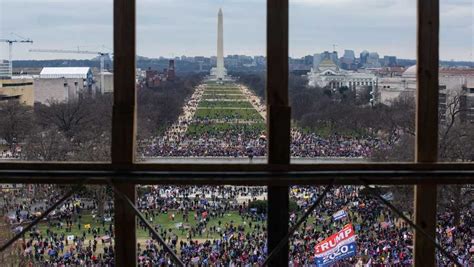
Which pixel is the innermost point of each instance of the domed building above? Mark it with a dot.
(452, 82)
(327, 74)
(410, 72)
(390, 88)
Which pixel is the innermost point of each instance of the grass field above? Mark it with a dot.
(240, 114)
(224, 96)
(199, 129)
(224, 104)
(233, 112)
(165, 222)
(223, 86)
(223, 91)
(162, 220)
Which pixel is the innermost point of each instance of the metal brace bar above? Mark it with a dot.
(147, 224)
(298, 224)
(43, 215)
(407, 220)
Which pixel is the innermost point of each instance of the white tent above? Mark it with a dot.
(65, 72)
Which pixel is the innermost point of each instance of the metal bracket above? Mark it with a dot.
(147, 224)
(43, 215)
(284, 240)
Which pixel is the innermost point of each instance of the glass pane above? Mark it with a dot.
(195, 104)
(368, 233)
(78, 233)
(352, 80)
(56, 96)
(456, 82)
(204, 225)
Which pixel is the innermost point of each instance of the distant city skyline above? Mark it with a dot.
(171, 28)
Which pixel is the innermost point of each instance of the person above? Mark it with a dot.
(250, 153)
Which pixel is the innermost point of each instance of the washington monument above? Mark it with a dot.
(219, 72)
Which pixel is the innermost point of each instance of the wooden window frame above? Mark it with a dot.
(278, 174)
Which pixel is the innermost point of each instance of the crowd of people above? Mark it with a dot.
(211, 144)
(232, 143)
(201, 235)
(242, 140)
(62, 240)
(382, 239)
(248, 141)
(10, 153)
(311, 145)
(197, 227)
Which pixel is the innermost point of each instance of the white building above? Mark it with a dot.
(108, 86)
(390, 88)
(62, 84)
(451, 83)
(66, 72)
(328, 74)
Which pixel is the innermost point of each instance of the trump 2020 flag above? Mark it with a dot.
(338, 246)
(339, 215)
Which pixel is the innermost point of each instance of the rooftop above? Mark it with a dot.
(66, 72)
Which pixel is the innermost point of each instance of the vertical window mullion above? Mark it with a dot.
(426, 125)
(124, 128)
(278, 122)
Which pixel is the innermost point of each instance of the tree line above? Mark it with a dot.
(80, 129)
(327, 111)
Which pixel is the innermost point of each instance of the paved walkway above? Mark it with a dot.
(178, 129)
(255, 101)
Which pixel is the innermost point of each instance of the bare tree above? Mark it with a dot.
(158, 108)
(68, 117)
(456, 143)
(47, 145)
(455, 136)
(16, 121)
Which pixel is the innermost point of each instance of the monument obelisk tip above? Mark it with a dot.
(220, 46)
(219, 72)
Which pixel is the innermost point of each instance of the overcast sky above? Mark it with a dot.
(188, 27)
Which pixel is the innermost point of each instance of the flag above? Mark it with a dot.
(338, 246)
(339, 215)
(70, 238)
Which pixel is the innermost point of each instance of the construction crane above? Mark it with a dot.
(102, 55)
(10, 50)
